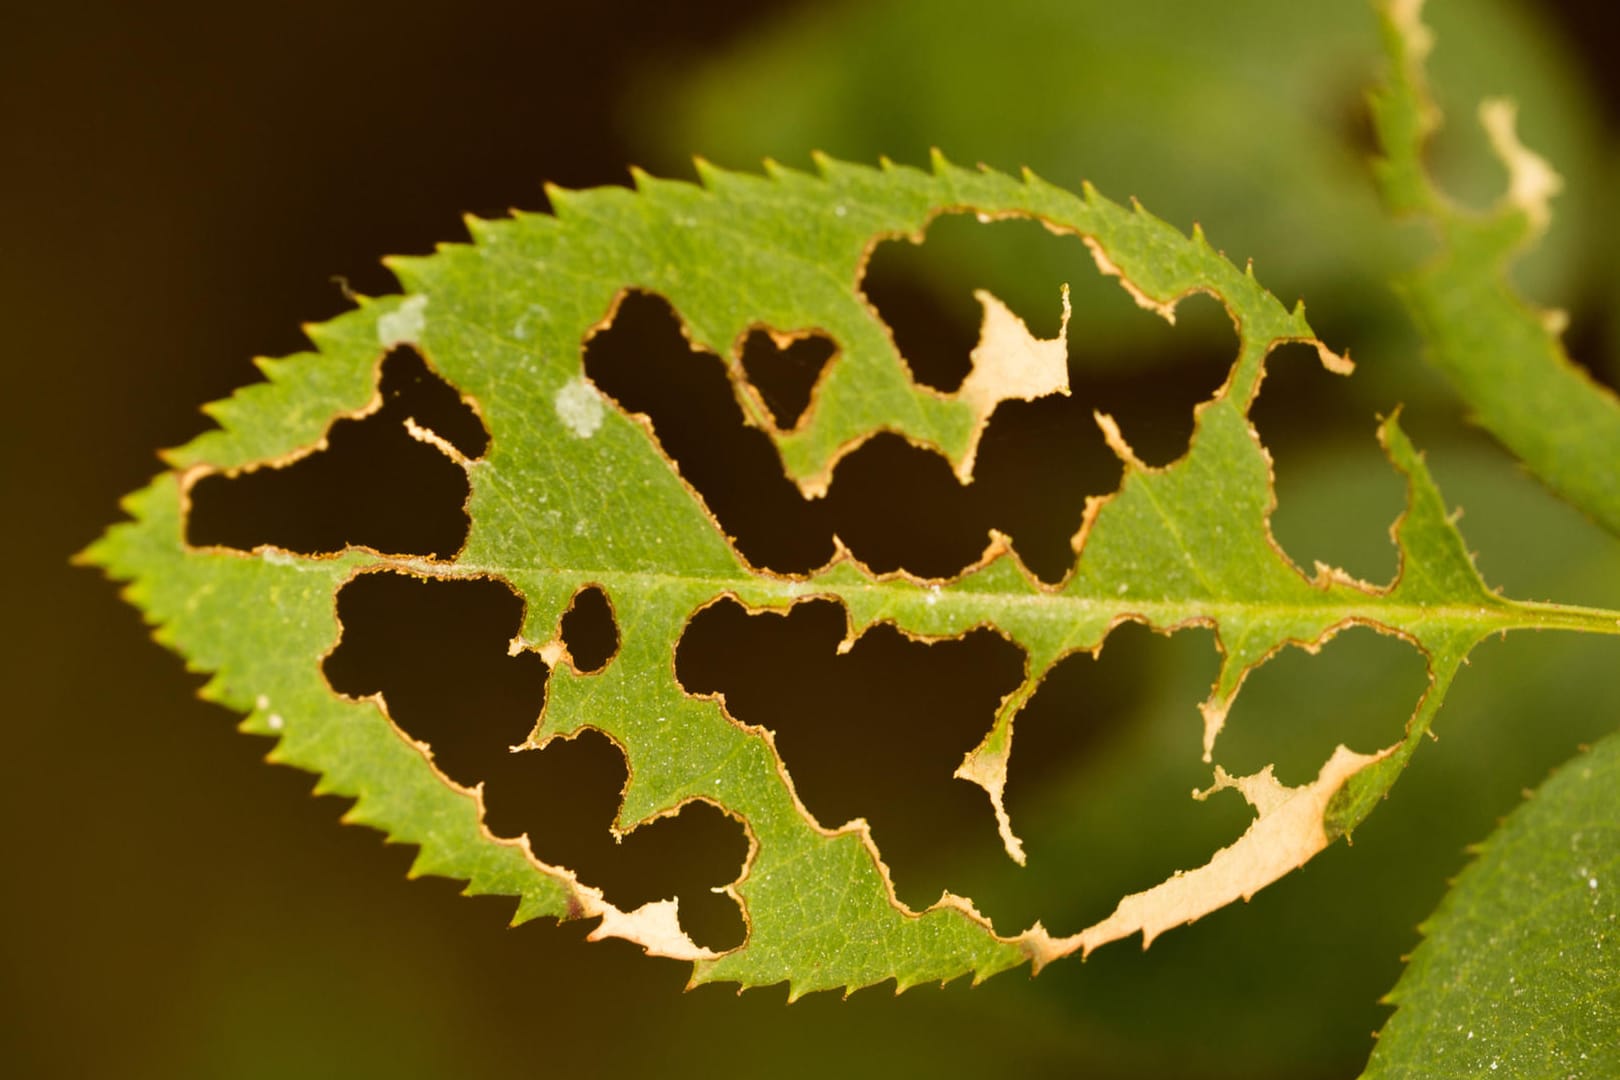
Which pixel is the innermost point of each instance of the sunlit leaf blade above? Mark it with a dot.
(575, 492)
(1519, 970)
(1504, 356)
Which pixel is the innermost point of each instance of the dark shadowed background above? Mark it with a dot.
(182, 185)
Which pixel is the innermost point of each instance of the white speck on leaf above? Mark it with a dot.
(520, 329)
(274, 721)
(404, 323)
(261, 702)
(579, 407)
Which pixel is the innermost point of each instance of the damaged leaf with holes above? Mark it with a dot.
(596, 533)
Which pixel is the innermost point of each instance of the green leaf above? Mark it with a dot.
(1519, 970)
(574, 492)
(1504, 355)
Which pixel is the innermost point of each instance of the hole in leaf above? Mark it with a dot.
(924, 294)
(1295, 708)
(785, 375)
(1337, 494)
(566, 796)
(436, 650)
(898, 506)
(588, 630)
(372, 485)
(1052, 439)
(934, 333)
(413, 389)
(1104, 755)
(1038, 461)
(1151, 389)
(873, 733)
(644, 362)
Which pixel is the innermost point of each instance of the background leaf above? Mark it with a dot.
(1517, 972)
(1504, 355)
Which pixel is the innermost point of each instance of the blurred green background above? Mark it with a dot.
(182, 183)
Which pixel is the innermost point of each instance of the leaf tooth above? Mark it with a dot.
(566, 203)
(529, 907)
(938, 162)
(642, 180)
(482, 230)
(530, 219)
(1098, 201)
(1171, 233)
(427, 865)
(776, 170)
(328, 337)
(477, 886)
(708, 173)
(646, 183)
(412, 271)
(271, 368)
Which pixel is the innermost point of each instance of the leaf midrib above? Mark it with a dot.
(1489, 617)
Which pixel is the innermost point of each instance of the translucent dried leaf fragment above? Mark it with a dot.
(574, 493)
(1010, 364)
(1288, 830)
